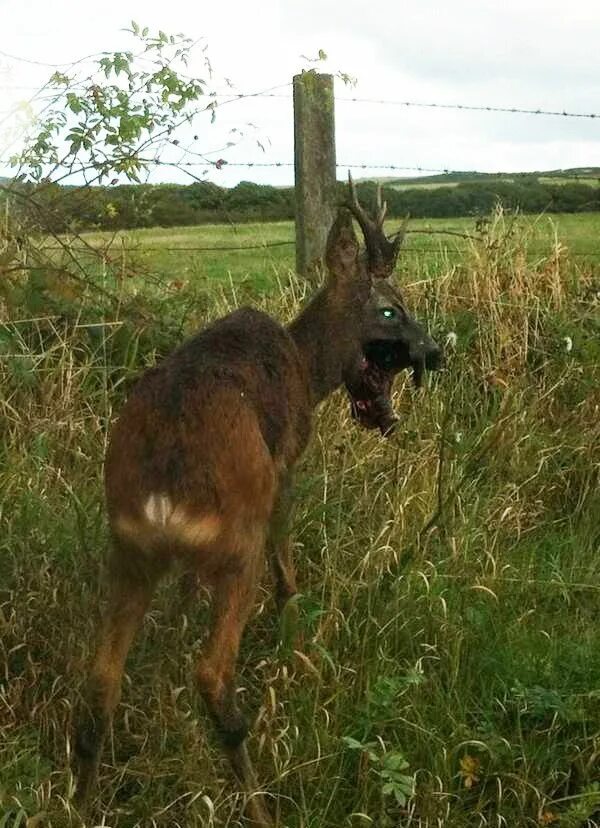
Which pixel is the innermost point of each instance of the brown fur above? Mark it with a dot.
(198, 471)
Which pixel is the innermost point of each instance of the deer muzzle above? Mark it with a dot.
(424, 355)
(369, 384)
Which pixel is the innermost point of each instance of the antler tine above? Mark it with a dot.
(381, 252)
(380, 206)
(352, 187)
(355, 206)
(369, 228)
(369, 225)
(398, 236)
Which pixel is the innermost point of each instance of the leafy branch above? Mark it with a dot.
(117, 119)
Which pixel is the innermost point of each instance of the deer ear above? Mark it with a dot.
(341, 254)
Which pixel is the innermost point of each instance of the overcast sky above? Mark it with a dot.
(522, 53)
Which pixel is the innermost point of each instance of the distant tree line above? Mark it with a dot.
(168, 205)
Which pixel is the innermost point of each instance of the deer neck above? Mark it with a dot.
(325, 335)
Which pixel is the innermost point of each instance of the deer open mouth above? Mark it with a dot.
(370, 385)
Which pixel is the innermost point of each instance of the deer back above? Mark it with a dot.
(211, 427)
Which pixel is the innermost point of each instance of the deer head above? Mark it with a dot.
(390, 339)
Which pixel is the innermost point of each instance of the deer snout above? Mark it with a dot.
(434, 356)
(427, 353)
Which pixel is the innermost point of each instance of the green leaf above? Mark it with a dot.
(74, 103)
(395, 761)
(59, 79)
(352, 743)
(289, 623)
(365, 747)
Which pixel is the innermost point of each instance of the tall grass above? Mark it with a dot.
(449, 671)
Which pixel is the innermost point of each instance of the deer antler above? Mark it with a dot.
(380, 206)
(381, 251)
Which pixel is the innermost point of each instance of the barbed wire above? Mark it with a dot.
(440, 251)
(33, 62)
(222, 162)
(511, 110)
(186, 249)
(460, 107)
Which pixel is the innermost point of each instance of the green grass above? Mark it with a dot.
(575, 175)
(464, 658)
(591, 181)
(434, 185)
(542, 179)
(169, 254)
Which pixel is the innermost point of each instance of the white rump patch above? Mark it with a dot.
(158, 509)
(163, 521)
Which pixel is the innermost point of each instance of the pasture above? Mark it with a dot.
(184, 253)
(449, 666)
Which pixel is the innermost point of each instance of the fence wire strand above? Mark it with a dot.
(507, 110)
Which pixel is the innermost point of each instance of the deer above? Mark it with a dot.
(200, 462)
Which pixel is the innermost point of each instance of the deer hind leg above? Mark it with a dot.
(279, 545)
(130, 593)
(234, 597)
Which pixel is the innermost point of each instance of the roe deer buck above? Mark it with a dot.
(199, 463)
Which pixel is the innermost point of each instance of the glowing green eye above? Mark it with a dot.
(388, 313)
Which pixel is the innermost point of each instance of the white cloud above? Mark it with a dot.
(531, 53)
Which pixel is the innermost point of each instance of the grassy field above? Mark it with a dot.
(201, 254)
(582, 175)
(542, 179)
(450, 668)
